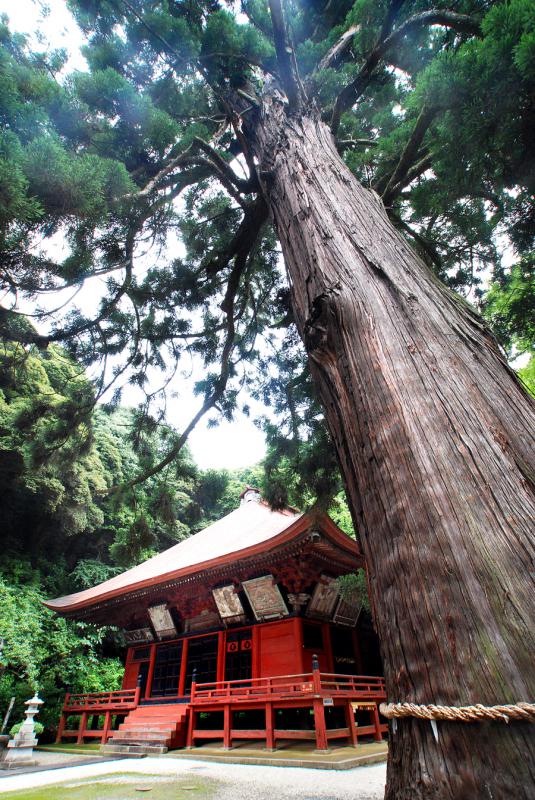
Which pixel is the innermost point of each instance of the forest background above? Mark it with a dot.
(65, 527)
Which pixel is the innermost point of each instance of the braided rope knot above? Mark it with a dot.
(524, 712)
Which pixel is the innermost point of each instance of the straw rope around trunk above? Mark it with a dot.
(523, 712)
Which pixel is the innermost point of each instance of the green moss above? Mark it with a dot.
(121, 786)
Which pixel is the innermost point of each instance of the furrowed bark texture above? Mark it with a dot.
(435, 439)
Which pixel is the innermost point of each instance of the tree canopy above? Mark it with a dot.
(432, 107)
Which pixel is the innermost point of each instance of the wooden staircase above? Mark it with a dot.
(150, 730)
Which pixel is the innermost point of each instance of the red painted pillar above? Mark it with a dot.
(227, 733)
(82, 728)
(350, 717)
(151, 671)
(221, 654)
(191, 728)
(319, 710)
(270, 727)
(319, 724)
(378, 736)
(183, 664)
(106, 728)
(126, 673)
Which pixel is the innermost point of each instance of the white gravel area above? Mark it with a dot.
(236, 781)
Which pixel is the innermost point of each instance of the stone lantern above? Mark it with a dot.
(19, 751)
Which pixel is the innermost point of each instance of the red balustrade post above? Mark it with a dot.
(270, 727)
(193, 684)
(191, 720)
(316, 675)
(319, 710)
(227, 735)
(377, 735)
(106, 728)
(191, 727)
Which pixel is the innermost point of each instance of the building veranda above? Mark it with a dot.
(236, 633)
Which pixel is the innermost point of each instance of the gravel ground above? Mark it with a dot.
(236, 781)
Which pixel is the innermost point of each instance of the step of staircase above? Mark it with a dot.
(149, 736)
(139, 749)
(153, 729)
(135, 730)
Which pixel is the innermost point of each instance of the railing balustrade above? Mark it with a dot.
(361, 686)
(308, 690)
(124, 699)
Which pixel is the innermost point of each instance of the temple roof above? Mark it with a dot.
(252, 528)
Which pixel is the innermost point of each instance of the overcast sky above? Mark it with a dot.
(230, 445)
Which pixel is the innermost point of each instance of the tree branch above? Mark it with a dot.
(338, 49)
(390, 18)
(219, 388)
(254, 218)
(216, 164)
(68, 333)
(242, 247)
(414, 172)
(423, 243)
(288, 78)
(245, 186)
(410, 152)
(350, 144)
(449, 19)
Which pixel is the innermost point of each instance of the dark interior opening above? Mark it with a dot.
(313, 637)
(167, 670)
(202, 657)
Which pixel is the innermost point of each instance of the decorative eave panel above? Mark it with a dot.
(229, 605)
(265, 598)
(324, 598)
(138, 636)
(162, 621)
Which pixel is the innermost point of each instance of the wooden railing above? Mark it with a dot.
(363, 686)
(123, 700)
(95, 704)
(313, 690)
(359, 687)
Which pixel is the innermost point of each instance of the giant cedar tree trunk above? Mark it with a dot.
(435, 440)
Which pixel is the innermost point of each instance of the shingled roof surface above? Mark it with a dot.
(251, 524)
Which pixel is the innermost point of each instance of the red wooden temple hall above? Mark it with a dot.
(238, 632)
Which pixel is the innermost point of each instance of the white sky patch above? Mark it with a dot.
(50, 26)
(230, 445)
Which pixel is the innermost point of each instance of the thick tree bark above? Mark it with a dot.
(435, 439)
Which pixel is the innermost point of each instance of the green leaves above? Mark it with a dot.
(45, 653)
(510, 306)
